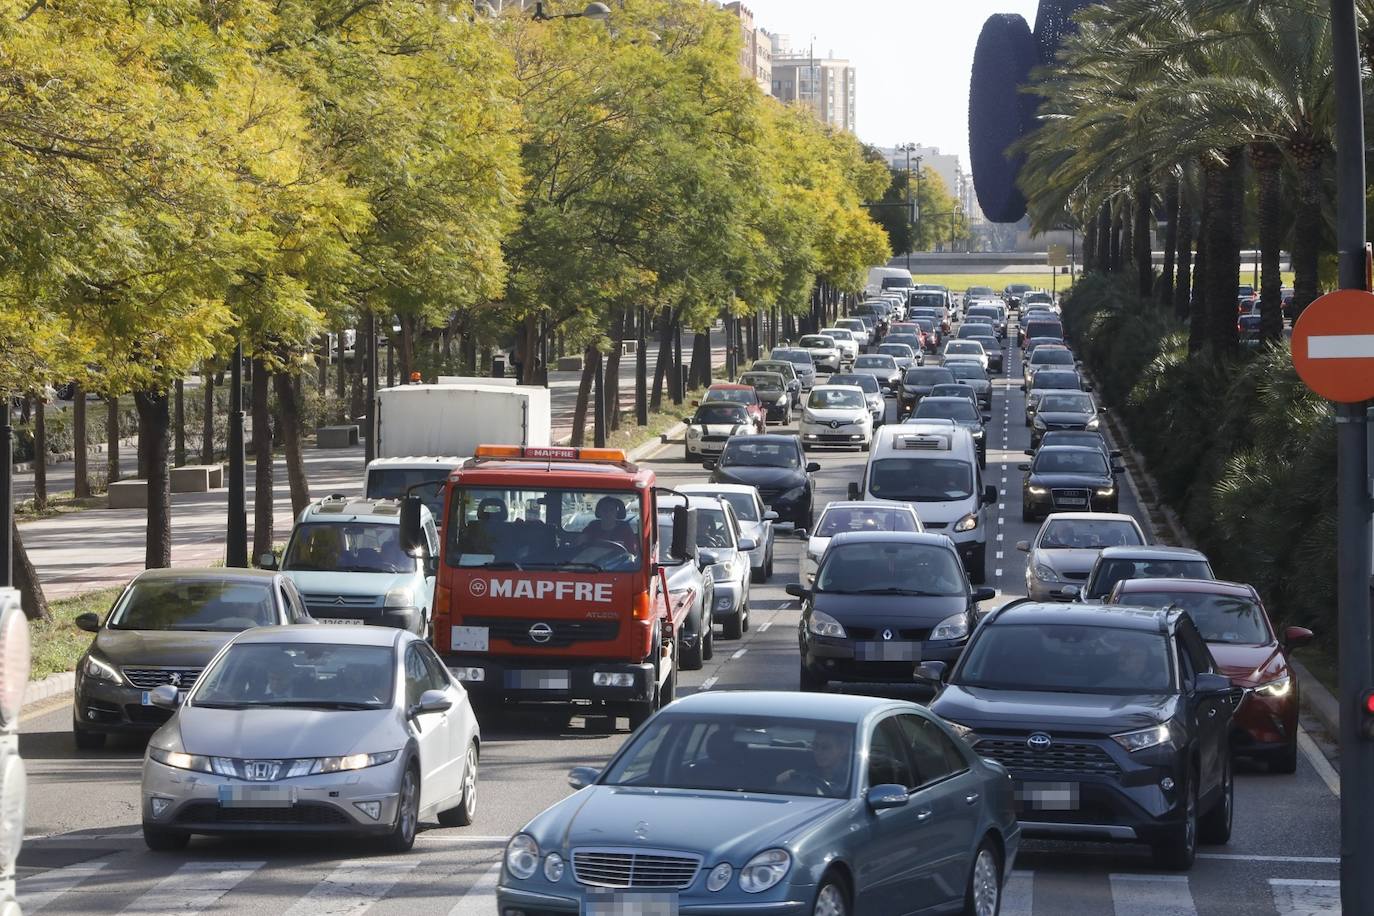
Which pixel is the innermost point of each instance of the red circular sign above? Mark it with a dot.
(1333, 346)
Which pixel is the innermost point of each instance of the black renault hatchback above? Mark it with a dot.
(1113, 722)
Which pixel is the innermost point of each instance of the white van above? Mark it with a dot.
(933, 466)
(885, 278)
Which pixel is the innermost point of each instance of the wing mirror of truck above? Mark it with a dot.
(412, 535)
(684, 534)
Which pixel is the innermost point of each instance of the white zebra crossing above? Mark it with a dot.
(480, 900)
(37, 892)
(193, 887)
(352, 887)
(1152, 895)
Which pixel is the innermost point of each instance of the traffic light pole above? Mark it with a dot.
(1353, 528)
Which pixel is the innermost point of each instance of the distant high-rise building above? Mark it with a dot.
(756, 52)
(826, 85)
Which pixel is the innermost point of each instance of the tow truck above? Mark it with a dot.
(551, 587)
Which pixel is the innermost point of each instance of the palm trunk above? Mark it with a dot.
(1089, 247)
(1183, 283)
(262, 456)
(1307, 233)
(1197, 311)
(1219, 302)
(584, 396)
(40, 453)
(31, 596)
(1104, 238)
(154, 423)
(207, 422)
(82, 483)
(112, 439)
(1127, 235)
(1267, 160)
(1166, 279)
(1144, 247)
(288, 403)
(1116, 240)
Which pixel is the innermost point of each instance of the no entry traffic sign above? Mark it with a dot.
(1333, 346)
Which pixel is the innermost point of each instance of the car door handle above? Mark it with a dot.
(971, 798)
(923, 814)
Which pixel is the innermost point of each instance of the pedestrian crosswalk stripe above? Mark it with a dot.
(40, 890)
(1018, 894)
(192, 888)
(352, 887)
(1152, 895)
(480, 900)
(1298, 897)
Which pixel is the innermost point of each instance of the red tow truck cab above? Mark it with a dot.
(549, 588)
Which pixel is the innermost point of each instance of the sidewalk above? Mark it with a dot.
(99, 548)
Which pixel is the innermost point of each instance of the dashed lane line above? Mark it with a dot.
(739, 653)
(709, 682)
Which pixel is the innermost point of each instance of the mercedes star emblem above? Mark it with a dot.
(541, 632)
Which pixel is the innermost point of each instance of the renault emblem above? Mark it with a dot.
(1039, 741)
(834, 424)
(887, 634)
(541, 633)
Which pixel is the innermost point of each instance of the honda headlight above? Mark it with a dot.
(764, 871)
(1145, 738)
(101, 670)
(823, 624)
(350, 762)
(1044, 573)
(967, 523)
(1279, 687)
(180, 760)
(1094, 423)
(522, 856)
(954, 626)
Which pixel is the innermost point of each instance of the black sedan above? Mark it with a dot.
(1064, 410)
(1066, 478)
(776, 465)
(1114, 724)
(883, 601)
(917, 383)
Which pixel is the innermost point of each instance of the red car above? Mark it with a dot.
(739, 394)
(1232, 619)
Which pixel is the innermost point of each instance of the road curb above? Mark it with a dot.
(1317, 700)
(53, 685)
(653, 445)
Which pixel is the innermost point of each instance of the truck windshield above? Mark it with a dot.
(347, 547)
(528, 528)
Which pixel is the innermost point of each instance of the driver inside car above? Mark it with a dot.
(609, 525)
(829, 765)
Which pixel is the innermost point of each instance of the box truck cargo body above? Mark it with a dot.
(454, 419)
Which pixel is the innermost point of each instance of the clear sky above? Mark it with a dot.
(913, 59)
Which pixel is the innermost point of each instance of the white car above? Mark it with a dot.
(862, 333)
(755, 520)
(825, 354)
(852, 515)
(970, 350)
(845, 340)
(712, 425)
(837, 415)
(1065, 548)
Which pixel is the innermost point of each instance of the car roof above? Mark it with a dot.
(773, 438)
(342, 508)
(694, 488)
(417, 462)
(220, 573)
(1192, 586)
(841, 388)
(1152, 552)
(361, 635)
(1091, 517)
(867, 504)
(1063, 449)
(890, 537)
(728, 386)
(695, 500)
(946, 398)
(1105, 616)
(834, 707)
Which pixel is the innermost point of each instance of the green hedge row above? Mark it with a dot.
(1243, 452)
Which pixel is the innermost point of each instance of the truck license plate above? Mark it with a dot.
(469, 639)
(537, 680)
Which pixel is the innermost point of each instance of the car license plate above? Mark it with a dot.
(624, 903)
(146, 698)
(337, 621)
(1070, 502)
(537, 680)
(713, 447)
(469, 639)
(1048, 796)
(887, 651)
(256, 796)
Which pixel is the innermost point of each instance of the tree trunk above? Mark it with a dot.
(1307, 236)
(154, 426)
(1127, 235)
(1089, 254)
(82, 482)
(31, 596)
(1116, 239)
(1183, 281)
(112, 439)
(1197, 311)
(262, 455)
(341, 374)
(611, 377)
(360, 351)
(390, 336)
(323, 367)
(40, 453)
(1267, 160)
(1104, 239)
(642, 366)
(1219, 300)
(665, 355)
(407, 354)
(584, 396)
(1144, 247)
(288, 403)
(179, 424)
(1166, 279)
(207, 422)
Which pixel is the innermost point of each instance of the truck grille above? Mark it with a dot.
(564, 632)
(634, 868)
(148, 678)
(1060, 757)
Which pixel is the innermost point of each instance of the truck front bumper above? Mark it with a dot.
(553, 680)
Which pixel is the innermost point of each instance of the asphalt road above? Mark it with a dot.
(85, 854)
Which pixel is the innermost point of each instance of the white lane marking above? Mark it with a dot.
(997, 573)
(1002, 506)
(79, 837)
(709, 682)
(1340, 346)
(1001, 519)
(1004, 480)
(1299, 897)
(999, 555)
(1152, 895)
(999, 537)
(1304, 860)
(480, 899)
(352, 887)
(193, 887)
(1319, 762)
(763, 628)
(740, 652)
(1018, 894)
(435, 837)
(38, 891)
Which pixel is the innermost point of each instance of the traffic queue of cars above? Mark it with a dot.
(1106, 706)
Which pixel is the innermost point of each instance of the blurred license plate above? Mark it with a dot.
(624, 903)
(344, 621)
(1048, 796)
(887, 651)
(1071, 502)
(256, 797)
(537, 680)
(469, 639)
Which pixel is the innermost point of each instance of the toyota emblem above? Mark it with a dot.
(887, 634)
(541, 632)
(478, 587)
(1039, 742)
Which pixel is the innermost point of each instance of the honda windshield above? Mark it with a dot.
(307, 675)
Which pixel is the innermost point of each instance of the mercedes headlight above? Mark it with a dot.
(101, 670)
(1279, 687)
(522, 856)
(764, 871)
(967, 523)
(823, 624)
(954, 626)
(1145, 738)
(1044, 573)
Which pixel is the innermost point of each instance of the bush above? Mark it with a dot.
(1244, 453)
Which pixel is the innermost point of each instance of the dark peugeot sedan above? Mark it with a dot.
(1113, 722)
(164, 629)
(1067, 479)
(917, 383)
(883, 601)
(776, 465)
(1064, 410)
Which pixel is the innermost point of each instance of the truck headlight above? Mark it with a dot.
(522, 856)
(823, 624)
(954, 626)
(967, 523)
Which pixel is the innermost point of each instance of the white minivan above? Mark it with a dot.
(933, 466)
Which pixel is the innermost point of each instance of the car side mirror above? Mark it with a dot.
(1296, 636)
(853, 490)
(1087, 387)
(770, 516)
(687, 420)
(888, 795)
(931, 671)
(1118, 467)
(1071, 592)
(709, 464)
(1213, 684)
(165, 697)
(684, 534)
(89, 621)
(989, 495)
(1023, 467)
(984, 593)
(267, 561)
(987, 416)
(412, 537)
(1116, 453)
(1023, 386)
(797, 590)
(696, 403)
(432, 701)
(1023, 546)
(801, 534)
(581, 777)
(812, 467)
(747, 543)
(1101, 409)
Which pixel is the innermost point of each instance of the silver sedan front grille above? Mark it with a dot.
(634, 868)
